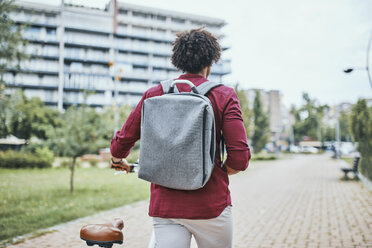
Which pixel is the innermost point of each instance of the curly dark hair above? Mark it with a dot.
(195, 49)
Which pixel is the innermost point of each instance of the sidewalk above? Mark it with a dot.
(298, 202)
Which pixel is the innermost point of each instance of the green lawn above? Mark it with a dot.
(31, 199)
(349, 160)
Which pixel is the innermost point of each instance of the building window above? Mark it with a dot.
(33, 30)
(178, 20)
(51, 31)
(140, 14)
(161, 18)
(123, 11)
(197, 23)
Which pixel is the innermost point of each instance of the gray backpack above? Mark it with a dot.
(178, 143)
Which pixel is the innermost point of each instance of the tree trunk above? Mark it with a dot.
(72, 168)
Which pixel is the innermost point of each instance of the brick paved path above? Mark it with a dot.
(298, 202)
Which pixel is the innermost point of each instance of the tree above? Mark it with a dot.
(108, 117)
(244, 106)
(5, 113)
(11, 41)
(84, 130)
(345, 129)
(261, 125)
(361, 128)
(79, 134)
(25, 118)
(308, 119)
(11, 53)
(329, 133)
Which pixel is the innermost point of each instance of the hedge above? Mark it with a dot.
(20, 159)
(365, 166)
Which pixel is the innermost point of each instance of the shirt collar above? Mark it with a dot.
(185, 76)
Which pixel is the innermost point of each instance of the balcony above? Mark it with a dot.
(221, 68)
(39, 37)
(136, 76)
(39, 20)
(102, 60)
(32, 81)
(133, 88)
(86, 41)
(46, 52)
(148, 22)
(77, 82)
(146, 35)
(40, 65)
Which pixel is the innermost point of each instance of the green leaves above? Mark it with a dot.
(361, 127)
(25, 118)
(261, 125)
(77, 135)
(246, 112)
(308, 119)
(11, 41)
(84, 130)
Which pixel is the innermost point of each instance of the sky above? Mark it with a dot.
(293, 46)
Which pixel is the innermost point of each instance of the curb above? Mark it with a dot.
(367, 183)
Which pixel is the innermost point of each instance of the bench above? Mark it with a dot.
(354, 169)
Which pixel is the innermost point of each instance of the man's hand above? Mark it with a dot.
(119, 164)
(231, 171)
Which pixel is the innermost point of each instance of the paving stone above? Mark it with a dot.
(294, 202)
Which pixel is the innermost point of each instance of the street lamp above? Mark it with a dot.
(349, 70)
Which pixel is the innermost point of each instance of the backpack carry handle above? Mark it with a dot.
(193, 88)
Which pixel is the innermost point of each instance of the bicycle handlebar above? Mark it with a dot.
(132, 166)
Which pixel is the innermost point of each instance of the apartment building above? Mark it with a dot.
(100, 56)
(280, 119)
(272, 104)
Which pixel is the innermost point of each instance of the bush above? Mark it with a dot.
(42, 158)
(45, 154)
(261, 156)
(361, 127)
(365, 166)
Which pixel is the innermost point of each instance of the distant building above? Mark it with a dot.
(280, 119)
(271, 101)
(72, 47)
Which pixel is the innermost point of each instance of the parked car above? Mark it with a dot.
(309, 149)
(294, 149)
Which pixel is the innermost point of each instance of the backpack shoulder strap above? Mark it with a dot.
(205, 87)
(166, 85)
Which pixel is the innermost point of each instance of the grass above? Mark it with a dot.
(263, 156)
(31, 199)
(348, 160)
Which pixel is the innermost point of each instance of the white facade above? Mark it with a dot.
(72, 47)
(272, 104)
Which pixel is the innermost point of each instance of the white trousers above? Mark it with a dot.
(210, 233)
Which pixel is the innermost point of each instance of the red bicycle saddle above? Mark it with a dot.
(103, 235)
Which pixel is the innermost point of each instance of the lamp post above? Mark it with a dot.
(349, 70)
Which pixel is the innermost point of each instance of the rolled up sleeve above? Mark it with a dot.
(235, 136)
(125, 139)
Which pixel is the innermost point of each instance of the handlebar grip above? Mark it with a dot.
(132, 166)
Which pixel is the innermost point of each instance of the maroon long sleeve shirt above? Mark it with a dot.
(209, 201)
